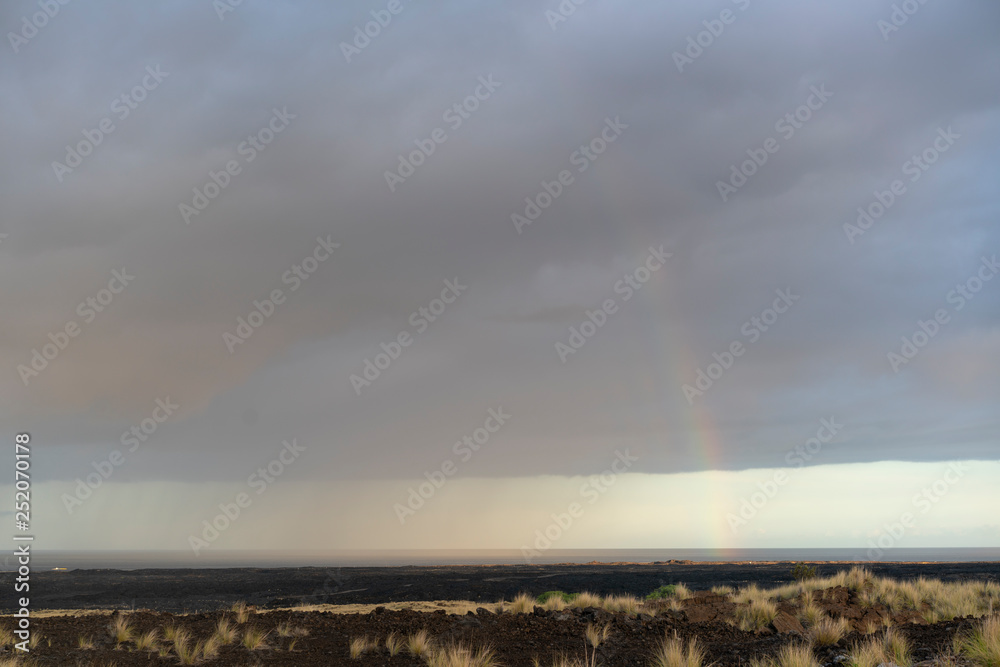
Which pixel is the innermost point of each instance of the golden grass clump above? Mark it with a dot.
(810, 614)
(890, 647)
(673, 652)
(621, 603)
(208, 649)
(121, 629)
(722, 590)
(522, 604)
(225, 632)
(148, 641)
(361, 645)
(393, 643)
(982, 645)
(85, 643)
(254, 639)
(242, 612)
(462, 656)
(828, 631)
(748, 594)
(757, 615)
(419, 643)
(554, 603)
(585, 599)
(790, 655)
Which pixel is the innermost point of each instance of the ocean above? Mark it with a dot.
(137, 560)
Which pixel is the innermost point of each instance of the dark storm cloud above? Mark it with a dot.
(323, 177)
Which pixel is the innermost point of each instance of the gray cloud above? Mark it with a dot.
(324, 175)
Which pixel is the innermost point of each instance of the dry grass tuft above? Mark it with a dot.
(255, 639)
(393, 643)
(672, 652)
(828, 631)
(121, 629)
(585, 599)
(810, 614)
(419, 643)
(982, 645)
(790, 655)
(462, 656)
(242, 612)
(522, 604)
(622, 603)
(225, 632)
(756, 616)
(148, 641)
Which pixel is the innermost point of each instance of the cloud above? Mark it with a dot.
(324, 175)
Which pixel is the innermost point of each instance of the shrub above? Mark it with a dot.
(801, 572)
(560, 595)
(679, 591)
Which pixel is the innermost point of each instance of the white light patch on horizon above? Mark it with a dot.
(821, 506)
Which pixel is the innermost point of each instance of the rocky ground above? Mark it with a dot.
(516, 638)
(187, 590)
(321, 636)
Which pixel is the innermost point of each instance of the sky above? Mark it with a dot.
(308, 275)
